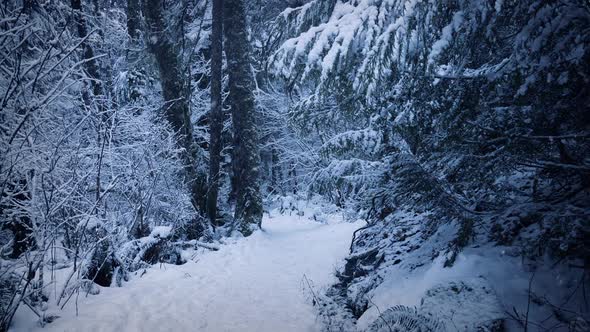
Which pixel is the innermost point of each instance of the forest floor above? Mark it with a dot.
(259, 283)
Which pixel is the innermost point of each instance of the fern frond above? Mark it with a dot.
(401, 318)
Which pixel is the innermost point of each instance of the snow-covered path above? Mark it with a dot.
(251, 284)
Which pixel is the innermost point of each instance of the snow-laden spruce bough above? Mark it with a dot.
(301, 165)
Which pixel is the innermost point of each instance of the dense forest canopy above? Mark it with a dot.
(134, 132)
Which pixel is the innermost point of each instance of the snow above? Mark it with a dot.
(446, 38)
(498, 283)
(250, 284)
(161, 231)
(89, 222)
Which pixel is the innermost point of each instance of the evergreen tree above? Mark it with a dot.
(463, 113)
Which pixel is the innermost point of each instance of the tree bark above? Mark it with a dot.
(176, 107)
(216, 114)
(90, 65)
(21, 224)
(133, 19)
(246, 160)
(91, 68)
(276, 173)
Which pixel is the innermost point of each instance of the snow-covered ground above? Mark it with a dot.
(250, 284)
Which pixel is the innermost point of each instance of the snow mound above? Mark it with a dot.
(161, 232)
(465, 305)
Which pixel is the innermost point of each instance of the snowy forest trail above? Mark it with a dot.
(251, 284)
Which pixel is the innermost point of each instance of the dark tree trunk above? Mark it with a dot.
(20, 226)
(248, 213)
(133, 19)
(136, 66)
(293, 176)
(176, 105)
(91, 66)
(23, 237)
(216, 115)
(28, 6)
(276, 173)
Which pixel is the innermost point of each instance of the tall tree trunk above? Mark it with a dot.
(136, 73)
(133, 19)
(276, 173)
(216, 115)
(176, 105)
(91, 66)
(248, 213)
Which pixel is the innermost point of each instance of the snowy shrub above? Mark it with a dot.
(88, 162)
